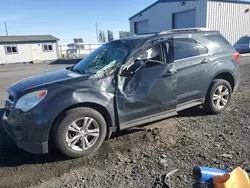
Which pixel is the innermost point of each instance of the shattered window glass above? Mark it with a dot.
(102, 59)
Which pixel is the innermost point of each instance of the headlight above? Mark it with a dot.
(30, 100)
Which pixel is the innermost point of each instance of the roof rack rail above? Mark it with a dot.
(150, 33)
(183, 30)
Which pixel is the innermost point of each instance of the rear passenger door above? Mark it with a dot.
(191, 59)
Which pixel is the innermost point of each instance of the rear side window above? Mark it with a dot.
(219, 40)
(184, 48)
(202, 49)
(187, 47)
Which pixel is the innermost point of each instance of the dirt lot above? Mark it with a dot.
(138, 157)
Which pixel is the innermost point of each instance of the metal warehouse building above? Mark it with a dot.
(230, 17)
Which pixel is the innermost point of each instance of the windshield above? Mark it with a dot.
(102, 59)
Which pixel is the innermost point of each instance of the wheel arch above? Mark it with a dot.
(225, 75)
(209, 104)
(99, 108)
(222, 69)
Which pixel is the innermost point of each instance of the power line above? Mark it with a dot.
(5, 28)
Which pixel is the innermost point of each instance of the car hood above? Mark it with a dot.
(44, 79)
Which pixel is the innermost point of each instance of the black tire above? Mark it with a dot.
(62, 128)
(209, 104)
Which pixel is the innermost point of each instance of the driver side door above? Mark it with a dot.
(146, 92)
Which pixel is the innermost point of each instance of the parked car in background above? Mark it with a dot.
(124, 83)
(243, 45)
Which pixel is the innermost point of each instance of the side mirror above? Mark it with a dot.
(149, 54)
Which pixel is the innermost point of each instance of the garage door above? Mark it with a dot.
(141, 27)
(184, 19)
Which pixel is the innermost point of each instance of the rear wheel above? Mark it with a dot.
(218, 96)
(81, 132)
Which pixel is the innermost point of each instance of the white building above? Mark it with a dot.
(230, 17)
(33, 48)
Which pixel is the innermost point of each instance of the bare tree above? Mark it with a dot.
(102, 37)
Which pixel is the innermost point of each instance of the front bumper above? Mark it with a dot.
(26, 134)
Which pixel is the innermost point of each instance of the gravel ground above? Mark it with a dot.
(141, 156)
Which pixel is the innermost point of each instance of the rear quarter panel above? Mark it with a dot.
(223, 62)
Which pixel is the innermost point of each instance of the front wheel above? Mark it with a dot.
(81, 132)
(218, 96)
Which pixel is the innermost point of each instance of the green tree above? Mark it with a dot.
(102, 37)
(110, 35)
(124, 34)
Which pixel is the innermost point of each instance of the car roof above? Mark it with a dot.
(137, 41)
(169, 33)
(147, 39)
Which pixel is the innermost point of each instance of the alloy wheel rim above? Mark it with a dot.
(220, 97)
(82, 134)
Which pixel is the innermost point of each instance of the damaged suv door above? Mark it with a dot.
(146, 87)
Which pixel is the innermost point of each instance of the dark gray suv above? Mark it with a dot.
(122, 84)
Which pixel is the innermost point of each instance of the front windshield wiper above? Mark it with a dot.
(78, 71)
(69, 68)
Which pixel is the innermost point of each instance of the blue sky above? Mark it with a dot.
(67, 19)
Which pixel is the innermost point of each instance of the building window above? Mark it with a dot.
(11, 49)
(47, 48)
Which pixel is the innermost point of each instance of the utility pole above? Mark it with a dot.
(97, 36)
(6, 30)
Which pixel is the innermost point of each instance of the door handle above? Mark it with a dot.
(204, 61)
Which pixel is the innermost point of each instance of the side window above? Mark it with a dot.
(170, 50)
(202, 49)
(185, 48)
(153, 53)
(150, 57)
(181, 48)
